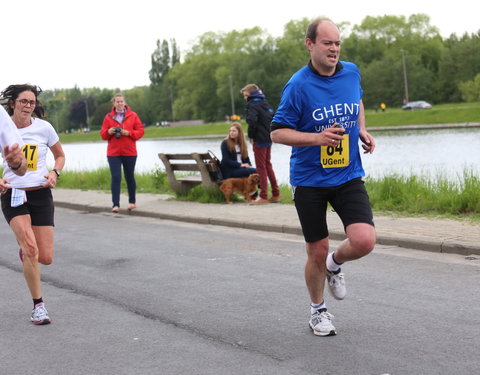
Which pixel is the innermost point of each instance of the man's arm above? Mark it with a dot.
(292, 137)
(367, 140)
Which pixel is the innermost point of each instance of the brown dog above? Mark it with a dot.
(245, 186)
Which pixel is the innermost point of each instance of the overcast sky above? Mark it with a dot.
(108, 44)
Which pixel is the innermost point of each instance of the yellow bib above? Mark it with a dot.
(336, 156)
(31, 154)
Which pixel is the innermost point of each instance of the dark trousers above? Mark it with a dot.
(115, 163)
(265, 170)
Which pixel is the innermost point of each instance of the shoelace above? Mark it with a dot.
(40, 313)
(320, 316)
(339, 278)
(326, 315)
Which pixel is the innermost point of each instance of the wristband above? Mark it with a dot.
(15, 168)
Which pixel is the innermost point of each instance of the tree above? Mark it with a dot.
(459, 62)
(470, 89)
(79, 112)
(161, 89)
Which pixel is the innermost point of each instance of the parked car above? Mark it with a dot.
(420, 104)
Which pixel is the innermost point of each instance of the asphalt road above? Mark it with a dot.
(132, 295)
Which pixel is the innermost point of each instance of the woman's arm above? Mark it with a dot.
(59, 157)
(107, 124)
(136, 127)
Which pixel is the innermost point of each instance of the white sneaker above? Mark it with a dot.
(336, 284)
(321, 323)
(40, 314)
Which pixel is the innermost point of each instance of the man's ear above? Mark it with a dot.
(309, 44)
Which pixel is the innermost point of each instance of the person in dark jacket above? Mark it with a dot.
(259, 115)
(122, 128)
(235, 161)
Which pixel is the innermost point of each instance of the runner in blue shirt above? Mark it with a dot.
(321, 115)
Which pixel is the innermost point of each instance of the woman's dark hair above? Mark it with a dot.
(11, 93)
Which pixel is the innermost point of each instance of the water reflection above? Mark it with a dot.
(423, 153)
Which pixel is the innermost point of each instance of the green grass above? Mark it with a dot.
(415, 195)
(439, 114)
(409, 196)
(157, 132)
(154, 182)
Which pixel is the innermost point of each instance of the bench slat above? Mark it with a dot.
(192, 179)
(192, 167)
(184, 167)
(186, 156)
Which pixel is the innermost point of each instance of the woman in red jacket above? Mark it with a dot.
(122, 128)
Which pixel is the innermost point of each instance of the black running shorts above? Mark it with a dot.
(350, 201)
(39, 206)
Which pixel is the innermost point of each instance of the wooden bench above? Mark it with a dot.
(194, 162)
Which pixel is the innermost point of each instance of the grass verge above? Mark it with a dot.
(399, 195)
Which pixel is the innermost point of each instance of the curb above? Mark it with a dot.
(436, 246)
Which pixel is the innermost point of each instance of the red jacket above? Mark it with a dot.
(125, 145)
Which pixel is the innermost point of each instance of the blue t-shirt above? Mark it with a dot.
(312, 103)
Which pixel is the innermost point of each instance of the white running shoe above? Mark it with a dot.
(336, 285)
(321, 323)
(40, 314)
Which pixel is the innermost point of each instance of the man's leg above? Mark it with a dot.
(353, 207)
(311, 205)
(260, 164)
(320, 319)
(271, 174)
(361, 239)
(315, 269)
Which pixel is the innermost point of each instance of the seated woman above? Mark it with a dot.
(235, 161)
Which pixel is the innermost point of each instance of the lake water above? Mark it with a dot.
(418, 152)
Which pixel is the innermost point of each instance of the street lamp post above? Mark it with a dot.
(171, 103)
(231, 94)
(405, 74)
(86, 113)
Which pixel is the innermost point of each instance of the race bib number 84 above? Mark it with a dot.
(31, 154)
(336, 156)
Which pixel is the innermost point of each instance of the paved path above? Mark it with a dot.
(131, 295)
(448, 236)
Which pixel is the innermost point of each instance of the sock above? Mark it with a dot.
(37, 301)
(314, 307)
(332, 265)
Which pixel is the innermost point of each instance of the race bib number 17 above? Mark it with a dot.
(336, 156)
(31, 154)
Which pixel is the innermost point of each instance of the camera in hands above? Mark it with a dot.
(118, 132)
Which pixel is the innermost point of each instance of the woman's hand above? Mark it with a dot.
(4, 185)
(51, 180)
(15, 158)
(125, 132)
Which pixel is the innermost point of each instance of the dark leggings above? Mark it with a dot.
(115, 163)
